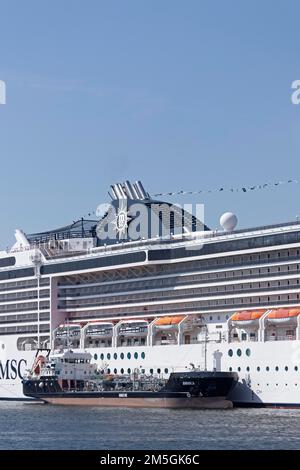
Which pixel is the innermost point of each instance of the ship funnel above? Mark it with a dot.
(113, 192)
(129, 190)
(117, 191)
(145, 195)
(123, 194)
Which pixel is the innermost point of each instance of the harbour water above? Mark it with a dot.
(39, 426)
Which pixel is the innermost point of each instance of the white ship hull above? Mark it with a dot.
(270, 376)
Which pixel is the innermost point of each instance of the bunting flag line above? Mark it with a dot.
(243, 189)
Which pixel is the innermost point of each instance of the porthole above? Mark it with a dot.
(143, 355)
(108, 356)
(128, 355)
(267, 368)
(136, 355)
(258, 369)
(108, 371)
(230, 369)
(115, 356)
(277, 368)
(151, 371)
(248, 352)
(95, 357)
(122, 371)
(122, 355)
(115, 371)
(158, 371)
(296, 368)
(248, 369)
(239, 352)
(286, 368)
(166, 371)
(102, 356)
(230, 353)
(129, 370)
(239, 369)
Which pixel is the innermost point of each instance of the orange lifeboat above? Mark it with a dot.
(283, 316)
(247, 317)
(168, 322)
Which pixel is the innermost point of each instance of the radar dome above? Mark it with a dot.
(228, 221)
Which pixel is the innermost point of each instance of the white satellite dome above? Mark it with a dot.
(228, 221)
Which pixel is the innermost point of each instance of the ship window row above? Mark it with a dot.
(16, 285)
(181, 280)
(122, 356)
(25, 318)
(16, 273)
(229, 304)
(100, 262)
(184, 293)
(24, 295)
(263, 241)
(261, 369)
(18, 318)
(221, 262)
(10, 330)
(230, 287)
(45, 304)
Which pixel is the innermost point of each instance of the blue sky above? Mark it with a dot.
(182, 95)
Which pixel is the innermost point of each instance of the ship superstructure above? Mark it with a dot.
(149, 286)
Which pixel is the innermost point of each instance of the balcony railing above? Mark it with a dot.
(281, 338)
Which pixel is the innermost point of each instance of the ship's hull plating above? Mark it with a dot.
(141, 402)
(269, 376)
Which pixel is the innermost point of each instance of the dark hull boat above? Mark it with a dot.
(194, 389)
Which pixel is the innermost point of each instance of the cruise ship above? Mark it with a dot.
(149, 287)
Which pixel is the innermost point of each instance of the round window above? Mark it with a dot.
(248, 352)
(230, 353)
(239, 352)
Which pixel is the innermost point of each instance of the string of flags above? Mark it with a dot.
(243, 189)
